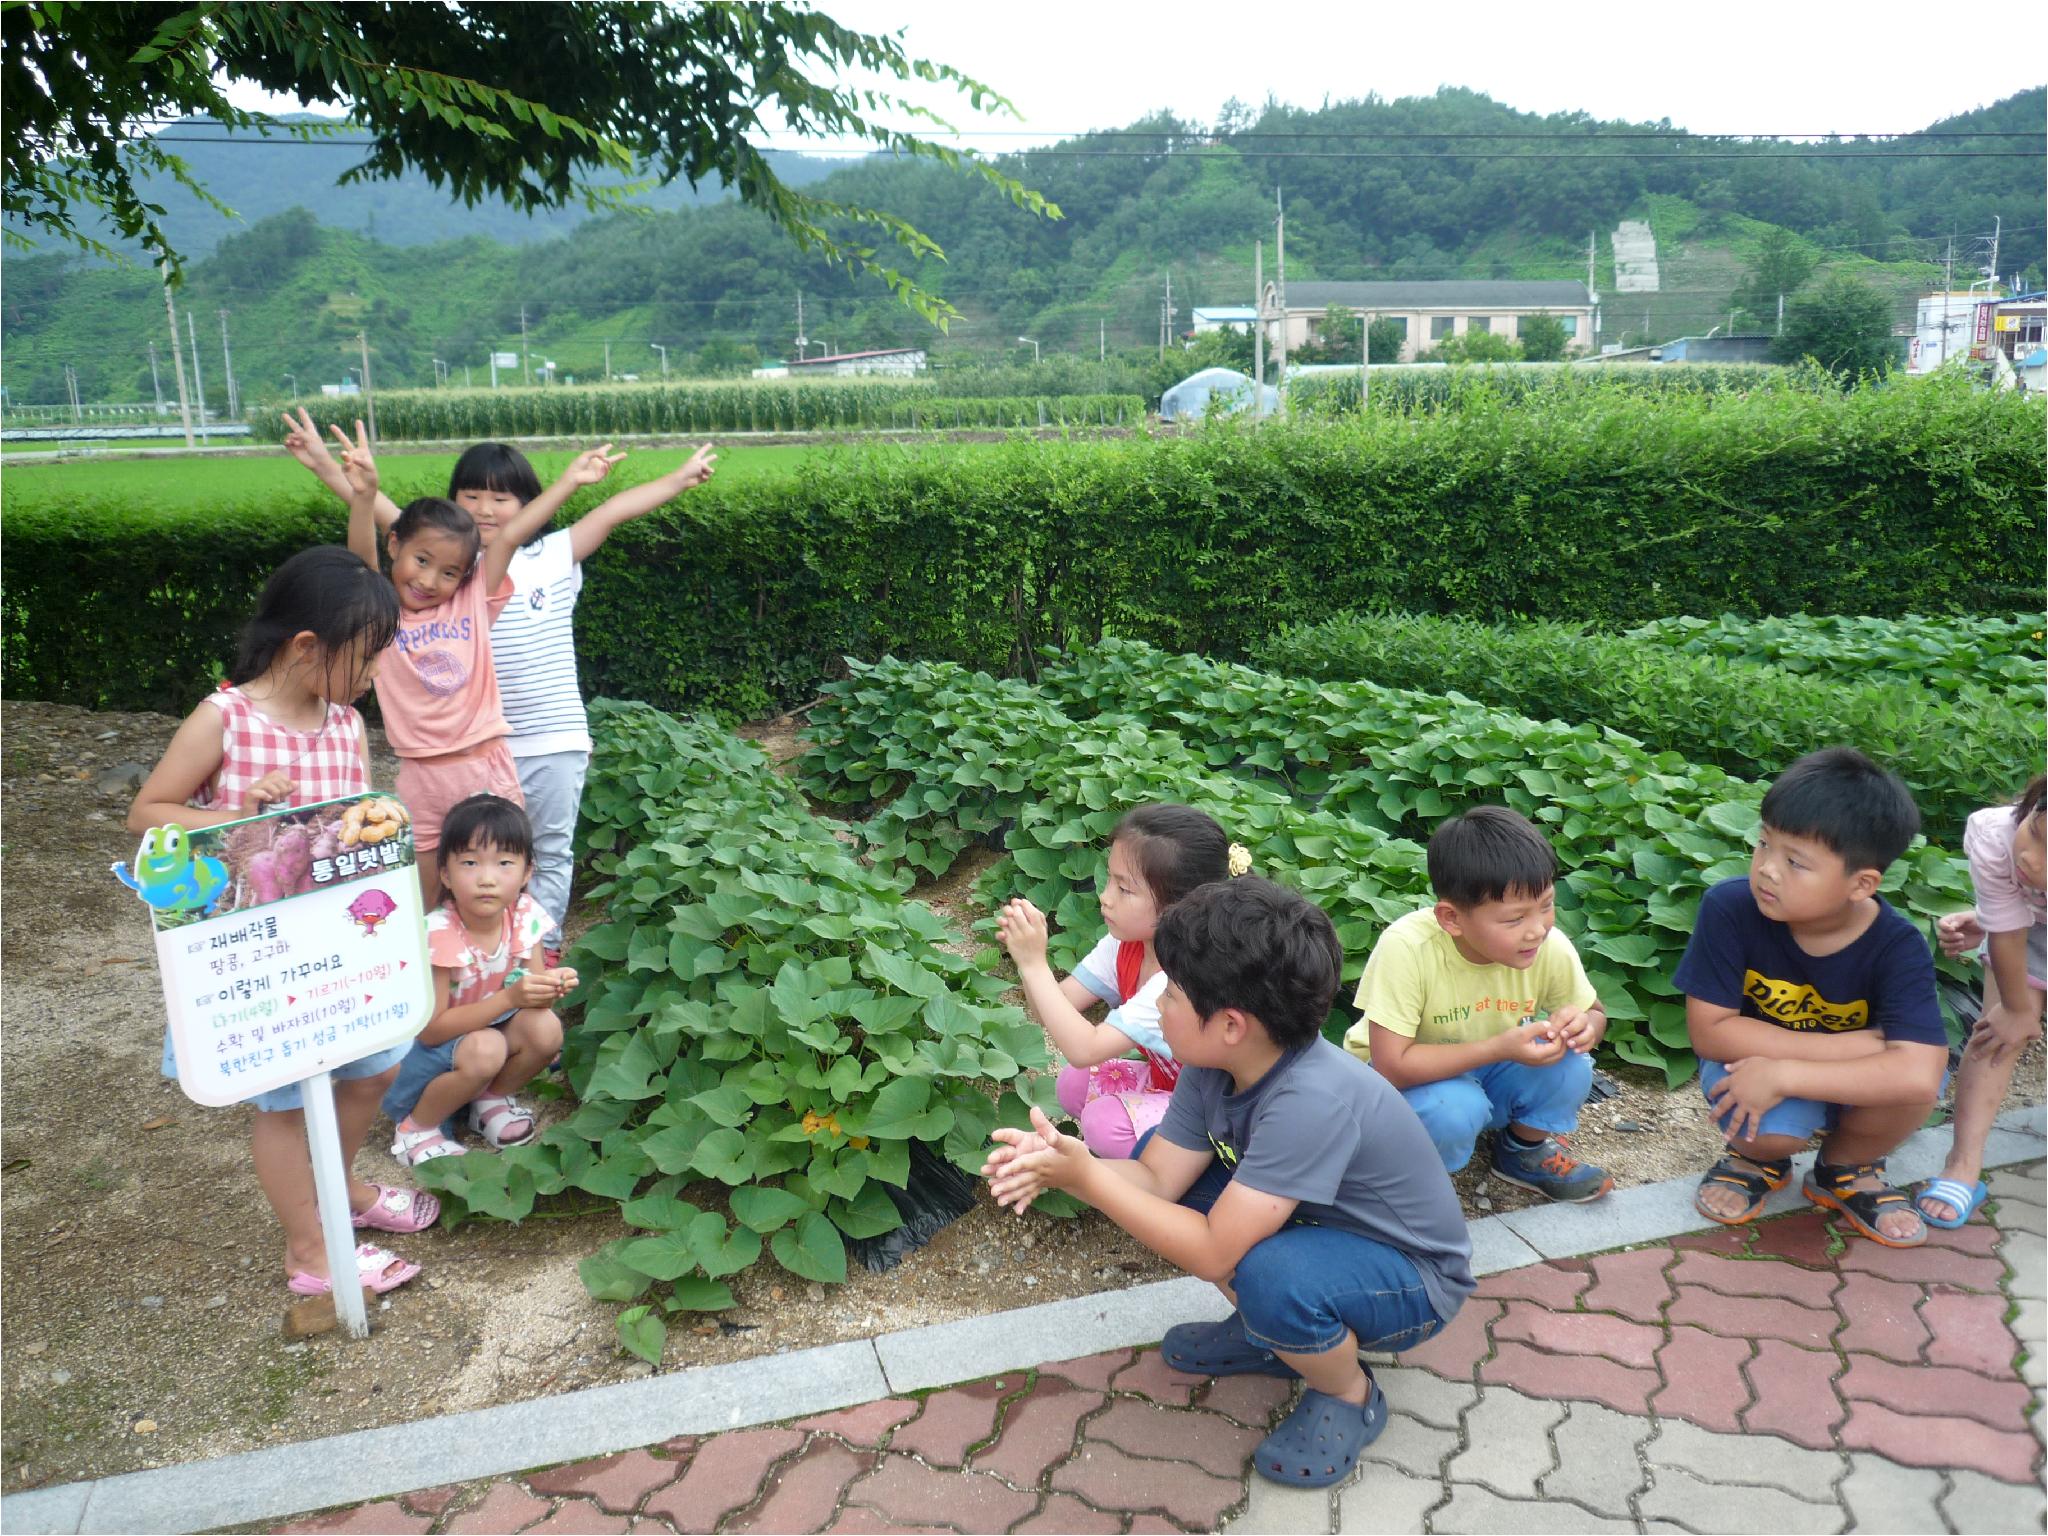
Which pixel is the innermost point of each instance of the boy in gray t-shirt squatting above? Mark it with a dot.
(1287, 1172)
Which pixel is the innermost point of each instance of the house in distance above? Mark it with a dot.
(1430, 312)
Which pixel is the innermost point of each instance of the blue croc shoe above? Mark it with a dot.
(1548, 1168)
(1219, 1349)
(1321, 1440)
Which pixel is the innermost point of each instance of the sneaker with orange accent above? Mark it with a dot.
(1549, 1168)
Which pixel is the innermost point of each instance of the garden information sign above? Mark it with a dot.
(290, 944)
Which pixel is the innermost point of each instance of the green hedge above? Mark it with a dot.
(1946, 655)
(1924, 499)
(1957, 753)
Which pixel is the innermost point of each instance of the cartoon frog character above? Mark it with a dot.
(169, 876)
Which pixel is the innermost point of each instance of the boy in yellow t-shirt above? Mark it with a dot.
(1478, 1010)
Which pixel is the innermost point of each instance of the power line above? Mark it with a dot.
(1219, 152)
(1196, 130)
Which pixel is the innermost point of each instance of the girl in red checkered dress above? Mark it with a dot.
(283, 732)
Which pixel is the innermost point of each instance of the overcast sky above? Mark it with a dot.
(1738, 66)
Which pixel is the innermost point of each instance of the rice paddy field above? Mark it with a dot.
(178, 482)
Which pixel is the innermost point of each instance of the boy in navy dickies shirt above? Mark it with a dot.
(1811, 1004)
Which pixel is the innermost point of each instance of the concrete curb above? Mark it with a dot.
(349, 1469)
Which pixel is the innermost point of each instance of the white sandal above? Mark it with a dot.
(415, 1147)
(488, 1116)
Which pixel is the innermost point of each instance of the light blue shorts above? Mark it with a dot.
(279, 1100)
(1803, 1118)
(424, 1063)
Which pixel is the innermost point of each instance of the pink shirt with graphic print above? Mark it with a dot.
(436, 685)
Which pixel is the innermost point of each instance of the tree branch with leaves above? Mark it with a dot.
(538, 104)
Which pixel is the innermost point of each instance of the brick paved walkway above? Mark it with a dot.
(1776, 1378)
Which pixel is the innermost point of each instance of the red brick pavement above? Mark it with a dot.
(1784, 1328)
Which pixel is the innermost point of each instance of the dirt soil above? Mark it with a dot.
(143, 1274)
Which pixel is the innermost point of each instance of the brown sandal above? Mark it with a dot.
(1757, 1179)
(1833, 1185)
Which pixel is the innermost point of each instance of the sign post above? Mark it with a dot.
(290, 944)
(330, 1188)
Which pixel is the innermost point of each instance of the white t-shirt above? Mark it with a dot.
(1137, 1015)
(533, 644)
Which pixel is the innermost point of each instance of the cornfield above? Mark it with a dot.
(770, 406)
(1403, 388)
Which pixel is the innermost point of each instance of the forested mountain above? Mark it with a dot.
(258, 178)
(1448, 185)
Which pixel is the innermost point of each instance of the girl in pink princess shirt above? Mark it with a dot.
(437, 686)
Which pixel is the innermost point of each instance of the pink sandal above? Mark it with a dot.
(376, 1269)
(489, 1115)
(399, 1210)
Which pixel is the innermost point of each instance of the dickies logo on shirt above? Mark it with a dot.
(1797, 1006)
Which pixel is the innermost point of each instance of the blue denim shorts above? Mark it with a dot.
(424, 1063)
(1803, 1118)
(1304, 1287)
(279, 1100)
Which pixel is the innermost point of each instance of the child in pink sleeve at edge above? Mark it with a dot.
(2007, 846)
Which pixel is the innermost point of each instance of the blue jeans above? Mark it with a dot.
(1455, 1110)
(1302, 1289)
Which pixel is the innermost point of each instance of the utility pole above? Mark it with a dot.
(227, 363)
(802, 340)
(1258, 328)
(1948, 281)
(198, 385)
(1364, 363)
(1997, 229)
(1280, 291)
(156, 383)
(658, 347)
(607, 362)
(1781, 316)
(1593, 293)
(1170, 310)
(71, 392)
(369, 400)
(178, 358)
(525, 366)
